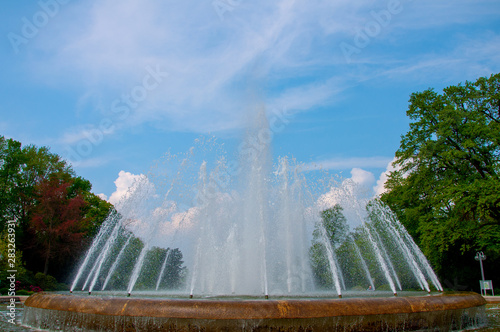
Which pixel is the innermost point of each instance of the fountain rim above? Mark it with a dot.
(254, 309)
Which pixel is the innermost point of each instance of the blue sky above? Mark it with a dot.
(112, 85)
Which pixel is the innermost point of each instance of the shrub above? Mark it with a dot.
(46, 282)
(35, 289)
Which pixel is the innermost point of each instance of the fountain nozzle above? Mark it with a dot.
(128, 295)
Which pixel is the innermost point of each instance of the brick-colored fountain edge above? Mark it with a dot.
(351, 314)
(253, 309)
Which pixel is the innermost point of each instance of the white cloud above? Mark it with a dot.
(352, 195)
(352, 189)
(124, 183)
(362, 178)
(102, 196)
(183, 221)
(379, 189)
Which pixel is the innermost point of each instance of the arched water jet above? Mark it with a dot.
(387, 259)
(101, 236)
(105, 253)
(115, 263)
(381, 260)
(363, 264)
(162, 270)
(137, 269)
(335, 271)
(406, 238)
(410, 259)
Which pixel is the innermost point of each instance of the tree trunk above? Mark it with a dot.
(46, 266)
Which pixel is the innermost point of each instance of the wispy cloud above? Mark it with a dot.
(477, 57)
(290, 45)
(90, 162)
(348, 163)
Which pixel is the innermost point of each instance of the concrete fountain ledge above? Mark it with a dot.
(92, 313)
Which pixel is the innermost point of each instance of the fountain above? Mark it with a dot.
(213, 245)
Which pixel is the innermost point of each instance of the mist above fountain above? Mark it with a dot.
(249, 227)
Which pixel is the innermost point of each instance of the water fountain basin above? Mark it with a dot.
(444, 311)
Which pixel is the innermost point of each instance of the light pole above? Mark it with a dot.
(480, 256)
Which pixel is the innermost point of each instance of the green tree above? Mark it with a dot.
(174, 274)
(331, 227)
(446, 190)
(175, 271)
(23, 170)
(95, 211)
(11, 161)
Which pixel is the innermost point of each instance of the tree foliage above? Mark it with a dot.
(55, 212)
(21, 169)
(329, 233)
(446, 189)
(57, 221)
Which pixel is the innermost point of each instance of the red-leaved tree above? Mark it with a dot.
(57, 221)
